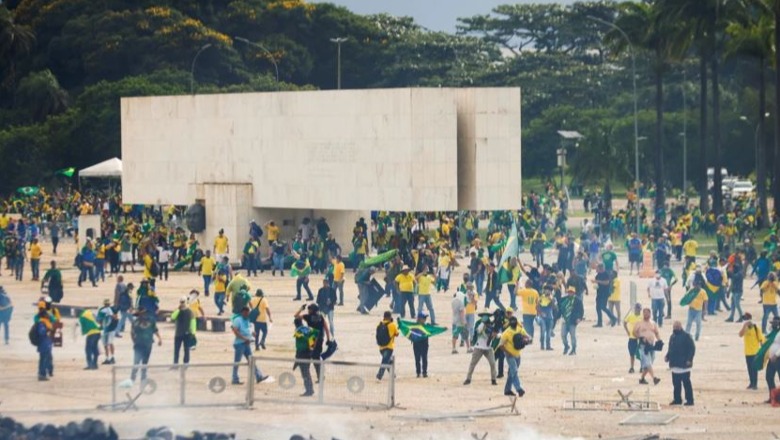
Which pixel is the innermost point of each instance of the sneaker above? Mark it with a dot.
(307, 394)
(656, 380)
(500, 376)
(237, 382)
(688, 404)
(573, 352)
(674, 403)
(521, 393)
(642, 381)
(729, 320)
(425, 375)
(42, 378)
(597, 326)
(418, 375)
(565, 350)
(631, 370)
(493, 382)
(509, 393)
(106, 362)
(127, 383)
(262, 345)
(454, 351)
(262, 379)
(467, 381)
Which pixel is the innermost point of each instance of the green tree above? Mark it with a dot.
(40, 94)
(16, 40)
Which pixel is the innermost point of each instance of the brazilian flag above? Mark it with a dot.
(379, 259)
(689, 296)
(760, 360)
(411, 329)
(67, 172)
(88, 323)
(300, 268)
(713, 283)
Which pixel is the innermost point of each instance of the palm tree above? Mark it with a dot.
(15, 40)
(642, 24)
(40, 93)
(751, 35)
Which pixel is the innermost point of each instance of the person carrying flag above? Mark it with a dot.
(418, 333)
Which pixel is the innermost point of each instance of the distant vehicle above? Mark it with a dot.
(742, 188)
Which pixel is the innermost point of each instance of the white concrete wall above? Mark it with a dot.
(86, 222)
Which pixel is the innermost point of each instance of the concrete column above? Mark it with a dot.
(228, 207)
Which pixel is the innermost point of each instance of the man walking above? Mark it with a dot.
(629, 322)
(680, 358)
(6, 310)
(386, 332)
(530, 302)
(91, 329)
(326, 301)
(604, 286)
(260, 303)
(184, 320)
(484, 333)
(143, 332)
(571, 314)
(107, 317)
(656, 290)
(513, 339)
(206, 270)
(242, 345)
(43, 332)
(459, 320)
(752, 339)
(405, 283)
(696, 309)
(305, 338)
(646, 333)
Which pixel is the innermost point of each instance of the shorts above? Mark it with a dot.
(646, 357)
(458, 330)
(635, 258)
(107, 337)
(126, 257)
(632, 346)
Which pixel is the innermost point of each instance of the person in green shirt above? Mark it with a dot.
(671, 280)
(609, 258)
(54, 277)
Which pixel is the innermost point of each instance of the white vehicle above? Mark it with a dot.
(742, 188)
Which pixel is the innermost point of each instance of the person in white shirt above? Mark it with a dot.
(484, 333)
(459, 320)
(656, 290)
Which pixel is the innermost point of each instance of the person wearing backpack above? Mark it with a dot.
(41, 337)
(305, 340)
(512, 342)
(386, 332)
(483, 335)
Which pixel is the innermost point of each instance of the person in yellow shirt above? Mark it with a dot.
(424, 282)
(339, 269)
(206, 269)
(613, 302)
(511, 344)
(529, 297)
(695, 309)
(386, 332)
(35, 259)
(273, 232)
(689, 249)
(404, 284)
(769, 299)
(629, 321)
(752, 338)
(260, 302)
(220, 287)
(221, 246)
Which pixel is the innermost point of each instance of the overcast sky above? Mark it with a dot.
(439, 15)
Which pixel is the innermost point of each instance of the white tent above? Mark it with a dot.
(111, 168)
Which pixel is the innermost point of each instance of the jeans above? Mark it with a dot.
(528, 324)
(206, 284)
(601, 307)
(164, 271)
(278, 262)
(471, 320)
(55, 241)
(261, 327)
(45, 363)
(475, 358)
(123, 316)
(305, 368)
(420, 349)
(100, 269)
(302, 282)
(243, 351)
(428, 302)
(387, 359)
(752, 372)
(407, 298)
(178, 342)
(683, 379)
(736, 307)
(545, 327)
(658, 311)
(141, 354)
(5, 324)
(35, 265)
(694, 316)
(219, 300)
(712, 303)
(768, 309)
(87, 273)
(18, 268)
(513, 375)
(479, 282)
(493, 296)
(512, 296)
(339, 286)
(92, 350)
(566, 330)
(329, 314)
(250, 264)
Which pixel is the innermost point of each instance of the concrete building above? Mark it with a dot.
(333, 154)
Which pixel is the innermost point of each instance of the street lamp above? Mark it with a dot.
(636, 118)
(684, 135)
(263, 48)
(755, 139)
(192, 68)
(338, 42)
(567, 137)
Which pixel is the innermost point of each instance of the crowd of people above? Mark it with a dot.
(545, 287)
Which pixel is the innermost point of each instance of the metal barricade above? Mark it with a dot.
(180, 385)
(340, 383)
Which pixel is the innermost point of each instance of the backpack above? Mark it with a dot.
(35, 338)
(519, 341)
(125, 302)
(382, 334)
(154, 270)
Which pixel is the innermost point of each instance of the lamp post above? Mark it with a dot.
(636, 118)
(684, 135)
(338, 42)
(263, 48)
(192, 68)
(755, 138)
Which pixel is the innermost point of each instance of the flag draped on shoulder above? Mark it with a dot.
(763, 353)
(713, 282)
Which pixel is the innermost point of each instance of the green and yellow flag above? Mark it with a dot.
(67, 172)
(413, 330)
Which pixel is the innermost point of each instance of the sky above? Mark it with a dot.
(438, 15)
